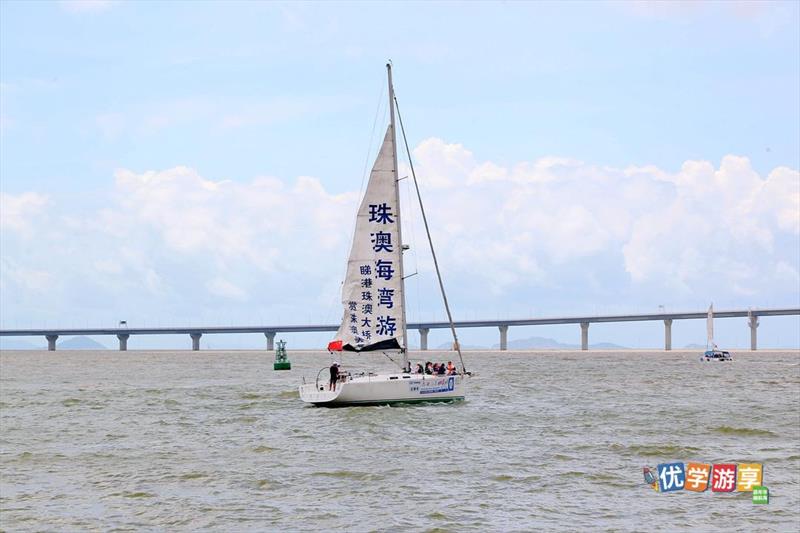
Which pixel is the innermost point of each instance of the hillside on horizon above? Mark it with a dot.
(535, 343)
(74, 343)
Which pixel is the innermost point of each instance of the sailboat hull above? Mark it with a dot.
(383, 389)
(716, 355)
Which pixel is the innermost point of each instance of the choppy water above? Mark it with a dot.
(216, 440)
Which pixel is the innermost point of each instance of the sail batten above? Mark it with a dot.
(373, 317)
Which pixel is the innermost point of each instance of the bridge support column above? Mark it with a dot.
(195, 341)
(270, 335)
(668, 334)
(584, 336)
(752, 321)
(123, 341)
(51, 342)
(423, 338)
(503, 337)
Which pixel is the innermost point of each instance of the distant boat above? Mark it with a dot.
(373, 297)
(712, 353)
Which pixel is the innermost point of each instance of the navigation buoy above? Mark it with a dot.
(281, 361)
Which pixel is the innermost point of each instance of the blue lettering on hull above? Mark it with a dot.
(434, 386)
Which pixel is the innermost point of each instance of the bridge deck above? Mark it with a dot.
(587, 319)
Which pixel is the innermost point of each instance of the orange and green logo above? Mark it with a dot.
(699, 477)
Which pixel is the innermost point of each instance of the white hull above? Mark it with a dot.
(716, 355)
(377, 389)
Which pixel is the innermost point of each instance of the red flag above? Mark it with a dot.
(335, 346)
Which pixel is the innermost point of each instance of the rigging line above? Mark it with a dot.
(430, 241)
(371, 138)
(412, 226)
(389, 357)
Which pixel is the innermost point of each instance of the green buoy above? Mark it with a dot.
(281, 361)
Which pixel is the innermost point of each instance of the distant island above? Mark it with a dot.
(81, 343)
(536, 343)
(449, 346)
(74, 343)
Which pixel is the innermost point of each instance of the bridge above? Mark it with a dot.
(195, 333)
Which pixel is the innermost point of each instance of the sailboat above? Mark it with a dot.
(373, 298)
(712, 353)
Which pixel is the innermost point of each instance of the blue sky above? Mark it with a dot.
(200, 162)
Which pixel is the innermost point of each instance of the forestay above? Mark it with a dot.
(372, 291)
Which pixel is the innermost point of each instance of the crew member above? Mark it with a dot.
(334, 376)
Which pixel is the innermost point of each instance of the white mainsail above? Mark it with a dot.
(710, 325)
(372, 294)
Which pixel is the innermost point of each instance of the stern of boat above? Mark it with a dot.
(317, 393)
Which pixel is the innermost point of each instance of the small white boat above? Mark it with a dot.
(373, 298)
(713, 353)
(716, 355)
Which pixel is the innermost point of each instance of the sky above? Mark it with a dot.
(198, 163)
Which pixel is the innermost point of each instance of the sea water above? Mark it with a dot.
(171, 441)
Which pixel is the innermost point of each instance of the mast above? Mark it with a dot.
(404, 347)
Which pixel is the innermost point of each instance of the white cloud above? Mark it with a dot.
(232, 222)
(19, 212)
(675, 229)
(786, 272)
(226, 289)
(32, 279)
(516, 223)
(178, 240)
(721, 225)
(542, 170)
(781, 195)
(443, 162)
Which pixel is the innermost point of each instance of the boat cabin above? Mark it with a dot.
(716, 355)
